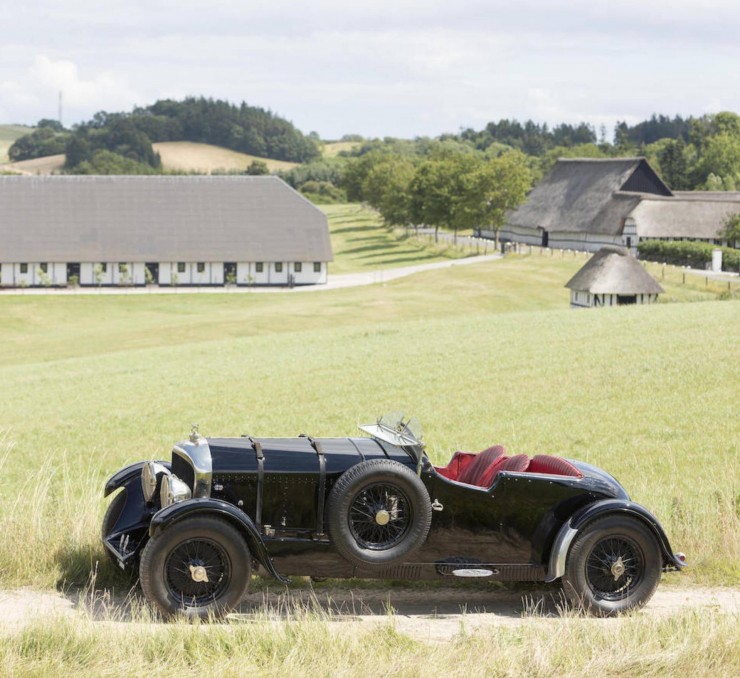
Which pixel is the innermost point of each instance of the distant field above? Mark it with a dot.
(189, 156)
(333, 149)
(8, 134)
(361, 242)
(46, 165)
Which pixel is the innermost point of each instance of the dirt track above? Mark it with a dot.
(434, 615)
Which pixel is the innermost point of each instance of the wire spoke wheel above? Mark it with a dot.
(380, 516)
(614, 568)
(614, 565)
(378, 513)
(197, 572)
(199, 567)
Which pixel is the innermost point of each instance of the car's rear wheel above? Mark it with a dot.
(613, 566)
(198, 567)
(378, 513)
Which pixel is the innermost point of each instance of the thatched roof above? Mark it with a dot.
(578, 195)
(160, 218)
(687, 216)
(612, 270)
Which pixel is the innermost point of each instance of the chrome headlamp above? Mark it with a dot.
(172, 490)
(150, 475)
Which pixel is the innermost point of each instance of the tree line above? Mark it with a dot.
(129, 136)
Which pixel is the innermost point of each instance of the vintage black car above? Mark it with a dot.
(375, 507)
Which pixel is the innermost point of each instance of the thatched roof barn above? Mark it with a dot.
(612, 277)
(587, 203)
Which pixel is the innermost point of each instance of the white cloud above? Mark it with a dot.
(386, 67)
(45, 78)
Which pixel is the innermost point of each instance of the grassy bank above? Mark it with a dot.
(307, 645)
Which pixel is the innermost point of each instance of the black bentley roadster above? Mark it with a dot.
(375, 507)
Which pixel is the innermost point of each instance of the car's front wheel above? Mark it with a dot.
(613, 566)
(198, 567)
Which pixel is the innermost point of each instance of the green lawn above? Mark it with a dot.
(481, 354)
(362, 243)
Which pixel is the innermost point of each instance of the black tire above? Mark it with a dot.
(206, 542)
(369, 493)
(613, 566)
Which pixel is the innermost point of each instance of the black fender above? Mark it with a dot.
(127, 474)
(129, 534)
(166, 517)
(591, 512)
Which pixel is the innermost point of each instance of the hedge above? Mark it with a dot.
(693, 254)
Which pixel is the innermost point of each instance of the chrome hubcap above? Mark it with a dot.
(198, 573)
(382, 517)
(617, 568)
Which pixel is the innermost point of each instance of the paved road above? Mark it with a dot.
(335, 282)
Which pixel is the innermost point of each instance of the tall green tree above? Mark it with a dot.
(499, 185)
(387, 189)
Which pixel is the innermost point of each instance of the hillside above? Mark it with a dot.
(46, 165)
(8, 134)
(189, 156)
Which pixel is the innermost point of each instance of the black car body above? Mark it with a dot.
(375, 507)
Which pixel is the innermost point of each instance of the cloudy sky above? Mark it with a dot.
(380, 68)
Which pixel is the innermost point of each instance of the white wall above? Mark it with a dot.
(307, 276)
(56, 275)
(88, 270)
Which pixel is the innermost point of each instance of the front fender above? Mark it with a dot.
(165, 518)
(588, 514)
(128, 473)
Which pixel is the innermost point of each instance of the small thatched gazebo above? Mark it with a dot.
(612, 277)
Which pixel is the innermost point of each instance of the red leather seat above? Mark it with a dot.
(476, 473)
(546, 463)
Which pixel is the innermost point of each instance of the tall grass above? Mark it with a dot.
(311, 644)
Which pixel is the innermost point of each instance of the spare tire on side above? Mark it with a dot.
(378, 512)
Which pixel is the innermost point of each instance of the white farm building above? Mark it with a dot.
(137, 230)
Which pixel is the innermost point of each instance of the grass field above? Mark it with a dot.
(333, 149)
(305, 645)
(361, 242)
(188, 156)
(8, 134)
(482, 353)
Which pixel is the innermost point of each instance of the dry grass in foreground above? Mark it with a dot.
(306, 643)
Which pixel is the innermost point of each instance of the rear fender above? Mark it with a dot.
(588, 514)
(164, 519)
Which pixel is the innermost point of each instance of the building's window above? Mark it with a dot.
(317, 267)
(122, 268)
(181, 267)
(103, 268)
(279, 267)
(298, 267)
(629, 241)
(44, 268)
(259, 267)
(24, 268)
(201, 267)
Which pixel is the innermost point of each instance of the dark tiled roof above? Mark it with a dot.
(134, 218)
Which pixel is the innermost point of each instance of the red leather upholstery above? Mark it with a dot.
(459, 462)
(545, 463)
(476, 471)
(517, 463)
(481, 469)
